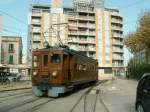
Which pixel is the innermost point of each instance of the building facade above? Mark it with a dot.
(92, 29)
(1, 26)
(109, 30)
(11, 50)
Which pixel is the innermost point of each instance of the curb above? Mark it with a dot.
(15, 89)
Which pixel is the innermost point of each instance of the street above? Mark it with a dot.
(113, 96)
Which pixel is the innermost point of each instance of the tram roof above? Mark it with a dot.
(65, 50)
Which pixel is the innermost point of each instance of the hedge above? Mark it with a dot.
(137, 71)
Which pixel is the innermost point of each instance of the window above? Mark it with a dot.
(107, 61)
(142, 82)
(11, 48)
(148, 82)
(55, 58)
(35, 61)
(11, 59)
(45, 60)
(107, 70)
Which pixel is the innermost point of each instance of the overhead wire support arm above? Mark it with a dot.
(57, 33)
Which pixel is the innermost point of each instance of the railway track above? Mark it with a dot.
(36, 107)
(84, 98)
(29, 105)
(24, 101)
(13, 97)
(14, 94)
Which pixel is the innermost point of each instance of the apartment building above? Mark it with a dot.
(11, 50)
(0, 35)
(93, 30)
(109, 27)
(1, 24)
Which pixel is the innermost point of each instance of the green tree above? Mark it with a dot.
(140, 39)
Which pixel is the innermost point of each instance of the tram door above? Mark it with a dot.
(66, 67)
(44, 63)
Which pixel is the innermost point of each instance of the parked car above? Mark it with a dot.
(9, 77)
(143, 94)
(14, 77)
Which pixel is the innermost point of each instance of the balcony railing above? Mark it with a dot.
(92, 33)
(73, 32)
(118, 65)
(37, 14)
(118, 57)
(117, 35)
(83, 33)
(116, 28)
(116, 21)
(91, 49)
(82, 25)
(36, 30)
(36, 39)
(117, 43)
(82, 17)
(36, 22)
(72, 24)
(117, 50)
(11, 50)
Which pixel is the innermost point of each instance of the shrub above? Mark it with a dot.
(137, 71)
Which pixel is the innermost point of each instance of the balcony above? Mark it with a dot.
(83, 33)
(117, 43)
(118, 65)
(118, 57)
(36, 30)
(83, 25)
(36, 39)
(117, 35)
(91, 49)
(35, 22)
(72, 40)
(117, 28)
(36, 14)
(91, 18)
(117, 50)
(72, 24)
(11, 51)
(116, 14)
(73, 33)
(92, 33)
(116, 21)
(82, 49)
(85, 10)
(91, 26)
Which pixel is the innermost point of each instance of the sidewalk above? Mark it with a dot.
(119, 95)
(15, 85)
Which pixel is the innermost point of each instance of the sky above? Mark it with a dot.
(15, 15)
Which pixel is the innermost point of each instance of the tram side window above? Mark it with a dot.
(45, 60)
(55, 58)
(35, 61)
(81, 67)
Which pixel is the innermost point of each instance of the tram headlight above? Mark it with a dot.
(54, 73)
(34, 73)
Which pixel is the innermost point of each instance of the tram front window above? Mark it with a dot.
(55, 58)
(35, 61)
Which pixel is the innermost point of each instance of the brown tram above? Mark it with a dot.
(57, 70)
